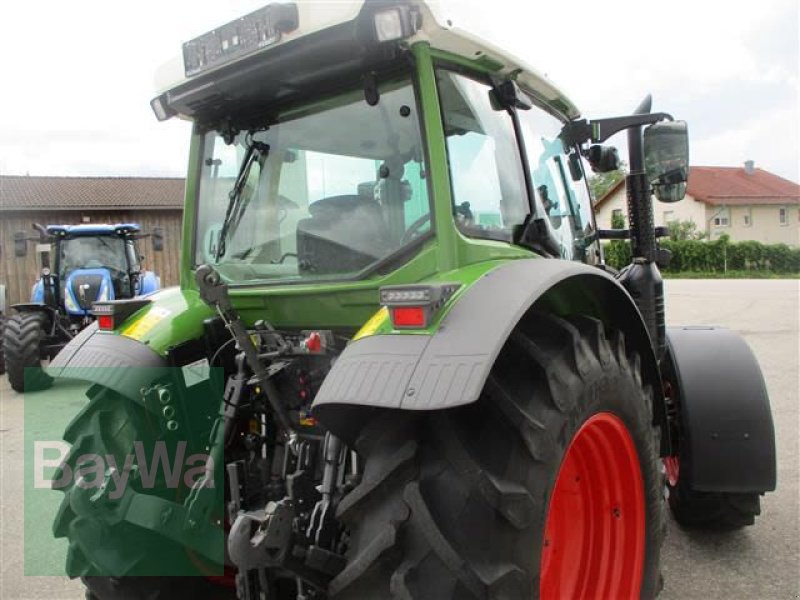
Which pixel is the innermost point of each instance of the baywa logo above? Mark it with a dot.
(104, 472)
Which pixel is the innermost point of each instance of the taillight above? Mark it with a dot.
(114, 312)
(408, 316)
(414, 306)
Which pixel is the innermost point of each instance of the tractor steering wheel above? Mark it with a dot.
(413, 229)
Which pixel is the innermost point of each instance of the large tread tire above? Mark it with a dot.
(154, 588)
(692, 509)
(116, 562)
(23, 336)
(453, 504)
(2, 344)
(712, 510)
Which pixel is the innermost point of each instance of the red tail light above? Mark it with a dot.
(408, 316)
(115, 312)
(415, 306)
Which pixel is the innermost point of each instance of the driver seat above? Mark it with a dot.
(343, 235)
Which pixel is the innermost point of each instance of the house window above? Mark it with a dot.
(783, 216)
(747, 217)
(617, 219)
(722, 218)
(669, 216)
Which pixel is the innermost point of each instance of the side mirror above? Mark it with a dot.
(666, 158)
(158, 239)
(20, 244)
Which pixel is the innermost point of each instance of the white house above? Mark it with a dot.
(746, 203)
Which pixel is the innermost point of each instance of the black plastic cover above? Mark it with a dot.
(113, 361)
(727, 439)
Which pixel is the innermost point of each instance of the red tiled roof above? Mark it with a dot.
(90, 193)
(732, 186)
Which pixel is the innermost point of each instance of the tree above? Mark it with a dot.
(685, 230)
(617, 220)
(600, 183)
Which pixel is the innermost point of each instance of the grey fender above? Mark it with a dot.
(726, 438)
(449, 368)
(113, 361)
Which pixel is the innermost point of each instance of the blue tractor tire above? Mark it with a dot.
(2, 352)
(23, 336)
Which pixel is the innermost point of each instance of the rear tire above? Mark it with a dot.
(456, 504)
(120, 561)
(154, 588)
(23, 337)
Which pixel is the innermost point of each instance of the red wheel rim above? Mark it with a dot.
(595, 531)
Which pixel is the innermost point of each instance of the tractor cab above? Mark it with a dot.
(93, 263)
(342, 152)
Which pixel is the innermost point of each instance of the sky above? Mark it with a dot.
(77, 77)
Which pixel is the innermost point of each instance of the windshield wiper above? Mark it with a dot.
(255, 151)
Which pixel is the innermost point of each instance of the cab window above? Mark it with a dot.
(564, 198)
(486, 174)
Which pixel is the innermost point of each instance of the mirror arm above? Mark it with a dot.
(44, 237)
(599, 130)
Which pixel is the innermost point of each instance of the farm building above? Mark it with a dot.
(151, 202)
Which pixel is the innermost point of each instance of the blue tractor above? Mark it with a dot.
(80, 265)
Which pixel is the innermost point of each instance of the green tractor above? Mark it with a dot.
(396, 342)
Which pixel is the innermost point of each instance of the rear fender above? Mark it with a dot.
(726, 436)
(449, 368)
(149, 282)
(113, 361)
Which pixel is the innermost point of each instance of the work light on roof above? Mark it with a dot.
(396, 23)
(158, 108)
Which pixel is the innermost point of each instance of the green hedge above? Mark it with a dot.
(715, 257)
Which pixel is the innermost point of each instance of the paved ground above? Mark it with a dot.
(758, 562)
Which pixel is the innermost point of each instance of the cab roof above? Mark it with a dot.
(325, 40)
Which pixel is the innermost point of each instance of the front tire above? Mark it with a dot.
(477, 501)
(722, 511)
(23, 337)
(692, 509)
